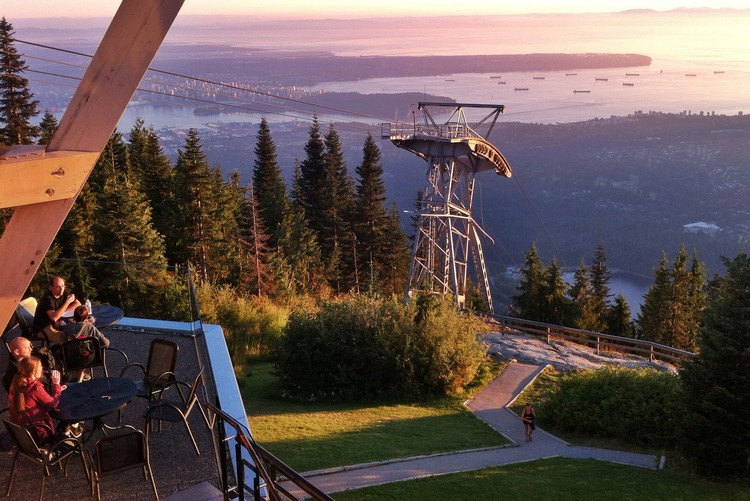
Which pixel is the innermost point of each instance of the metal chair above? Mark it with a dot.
(162, 409)
(57, 454)
(79, 355)
(159, 370)
(118, 453)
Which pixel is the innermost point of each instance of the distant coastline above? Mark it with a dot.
(307, 69)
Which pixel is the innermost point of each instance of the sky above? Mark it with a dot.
(16, 9)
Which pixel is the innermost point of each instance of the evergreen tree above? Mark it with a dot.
(717, 381)
(600, 276)
(195, 196)
(269, 190)
(580, 312)
(529, 301)
(554, 302)
(394, 252)
(310, 185)
(297, 264)
(17, 103)
(673, 306)
(124, 234)
(653, 319)
(47, 127)
(621, 318)
(370, 216)
(335, 233)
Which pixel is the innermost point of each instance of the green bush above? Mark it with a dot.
(641, 407)
(362, 348)
(252, 326)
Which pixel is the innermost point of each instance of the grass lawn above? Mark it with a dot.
(310, 436)
(553, 479)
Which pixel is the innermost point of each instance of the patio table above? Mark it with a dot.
(94, 399)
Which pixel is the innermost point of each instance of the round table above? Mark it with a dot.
(94, 399)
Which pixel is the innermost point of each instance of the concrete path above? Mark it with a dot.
(490, 406)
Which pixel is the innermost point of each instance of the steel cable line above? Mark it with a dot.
(221, 84)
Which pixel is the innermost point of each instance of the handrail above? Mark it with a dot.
(262, 461)
(599, 340)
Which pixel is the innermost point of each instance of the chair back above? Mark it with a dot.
(193, 394)
(121, 452)
(162, 357)
(82, 353)
(23, 439)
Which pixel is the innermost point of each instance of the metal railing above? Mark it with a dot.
(599, 341)
(403, 130)
(267, 471)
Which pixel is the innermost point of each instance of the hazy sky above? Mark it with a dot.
(15, 9)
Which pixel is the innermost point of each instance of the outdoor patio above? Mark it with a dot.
(175, 465)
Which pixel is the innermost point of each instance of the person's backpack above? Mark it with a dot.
(44, 353)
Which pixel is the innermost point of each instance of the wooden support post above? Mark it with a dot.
(128, 47)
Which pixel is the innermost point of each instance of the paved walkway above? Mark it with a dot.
(490, 406)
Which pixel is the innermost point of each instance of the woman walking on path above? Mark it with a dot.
(527, 416)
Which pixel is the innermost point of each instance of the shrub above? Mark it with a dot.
(252, 325)
(641, 407)
(361, 348)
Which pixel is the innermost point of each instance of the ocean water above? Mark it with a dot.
(700, 61)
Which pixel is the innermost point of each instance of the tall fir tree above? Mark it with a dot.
(620, 322)
(370, 216)
(717, 381)
(195, 195)
(528, 303)
(269, 190)
(394, 252)
(310, 184)
(297, 263)
(580, 313)
(600, 276)
(124, 234)
(554, 304)
(47, 127)
(335, 233)
(653, 319)
(17, 103)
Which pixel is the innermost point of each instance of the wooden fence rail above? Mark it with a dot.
(599, 341)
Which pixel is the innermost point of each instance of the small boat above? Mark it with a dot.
(450, 80)
(521, 88)
(628, 84)
(496, 76)
(581, 91)
(501, 83)
(689, 74)
(538, 78)
(718, 72)
(570, 74)
(632, 74)
(602, 79)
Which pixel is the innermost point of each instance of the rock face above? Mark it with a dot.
(560, 354)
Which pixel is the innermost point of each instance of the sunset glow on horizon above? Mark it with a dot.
(291, 9)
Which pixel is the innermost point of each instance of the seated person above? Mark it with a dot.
(81, 327)
(28, 401)
(50, 310)
(21, 348)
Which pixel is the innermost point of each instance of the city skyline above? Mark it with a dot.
(344, 8)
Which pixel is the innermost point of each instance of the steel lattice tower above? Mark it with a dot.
(448, 237)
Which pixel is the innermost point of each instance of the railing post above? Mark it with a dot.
(548, 335)
(240, 470)
(597, 345)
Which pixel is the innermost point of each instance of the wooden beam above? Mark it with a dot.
(33, 176)
(127, 49)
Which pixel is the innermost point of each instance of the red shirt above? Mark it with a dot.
(39, 403)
